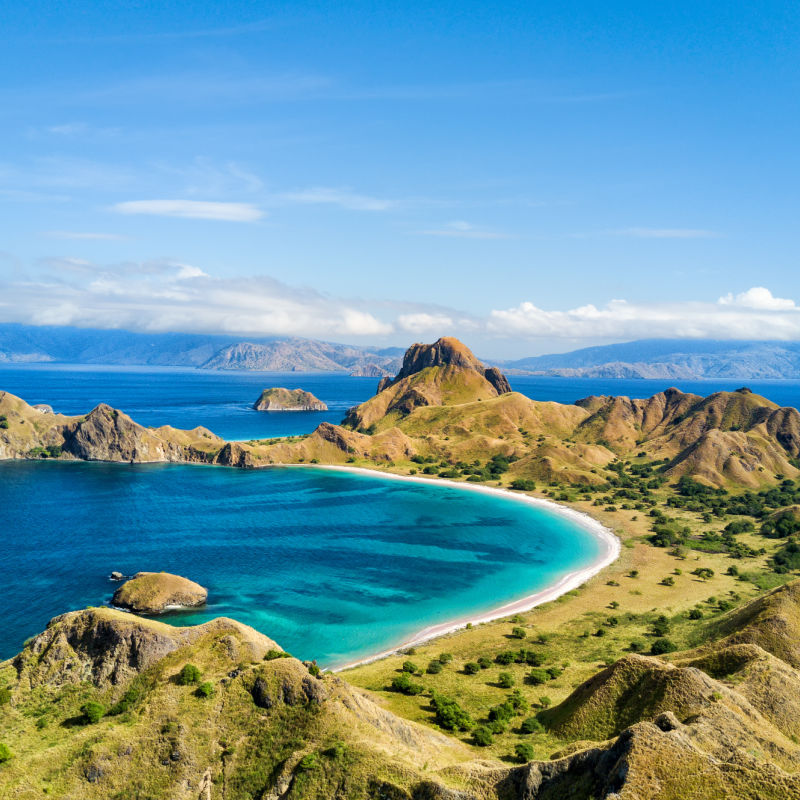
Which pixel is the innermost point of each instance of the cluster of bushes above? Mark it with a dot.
(54, 451)
(449, 714)
(3, 422)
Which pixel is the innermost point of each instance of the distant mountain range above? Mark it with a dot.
(669, 358)
(31, 344)
(647, 358)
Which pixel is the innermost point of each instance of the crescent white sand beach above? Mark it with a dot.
(610, 550)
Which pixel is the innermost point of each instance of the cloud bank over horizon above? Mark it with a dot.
(160, 296)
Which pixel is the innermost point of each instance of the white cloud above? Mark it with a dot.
(458, 229)
(666, 233)
(758, 298)
(192, 209)
(342, 197)
(423, 322)
(754, 314)
(173, 296)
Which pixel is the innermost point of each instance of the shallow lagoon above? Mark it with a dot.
(332, 565)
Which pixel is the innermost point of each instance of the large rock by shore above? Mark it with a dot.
(280, 399)
(157, 592)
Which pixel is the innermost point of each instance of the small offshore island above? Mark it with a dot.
(154, 593)
(674, 673)
(280, 399)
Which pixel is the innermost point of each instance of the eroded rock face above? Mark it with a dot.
(446, 351)
(106, 434)
(91, 645)
(280, 399)
(157, 592)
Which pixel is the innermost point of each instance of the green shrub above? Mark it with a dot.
(5, 753)
(554, 672)
(93, 712)
(188, 675)
(205, 689)
(538, 677)
(506, 657)
(502, 712)
(308, 762)
(449, 714)
(545, 701)
(519, 633)
(5, 695)
(472, 668)
(410, 667)
(271, 655)
(695, 613)
(661, 626)
(484, 662)
(523, 485)
(661, 646)
(313, 669)
(524, 752)
(505, 680)
(482, 736)
(445, 658)
(132, 694)
(531, 725)
(402, 683)
(435, 667)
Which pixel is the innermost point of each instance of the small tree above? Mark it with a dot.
(435, 667)
(545, 701)
(188, 675)
(482, 736)
(661, 646)
(5, 753)
(471, 668)
(484, 662)
(505, 680)
(519, 633)
(411, 667)
(538, 677)
(205, 690)
(524, 751)
(531, 725)
(93, 712)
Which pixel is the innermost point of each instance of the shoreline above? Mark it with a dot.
(572, 580)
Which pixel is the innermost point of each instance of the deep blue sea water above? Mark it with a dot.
(222, 401)
(331, 565)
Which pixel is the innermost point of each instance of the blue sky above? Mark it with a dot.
(532, 177)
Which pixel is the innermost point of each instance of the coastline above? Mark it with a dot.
(611, 547)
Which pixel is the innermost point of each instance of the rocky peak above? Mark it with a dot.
(444, 352)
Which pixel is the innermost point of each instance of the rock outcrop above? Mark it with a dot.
(279, 399)
(157, 592)
(444, 352)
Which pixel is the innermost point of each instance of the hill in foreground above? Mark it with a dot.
(105, 704)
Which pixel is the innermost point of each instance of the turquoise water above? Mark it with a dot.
(332, 565)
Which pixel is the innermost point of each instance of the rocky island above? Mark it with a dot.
(280, 399)
(156, 592)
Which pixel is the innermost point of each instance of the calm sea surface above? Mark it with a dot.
(331, 565)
